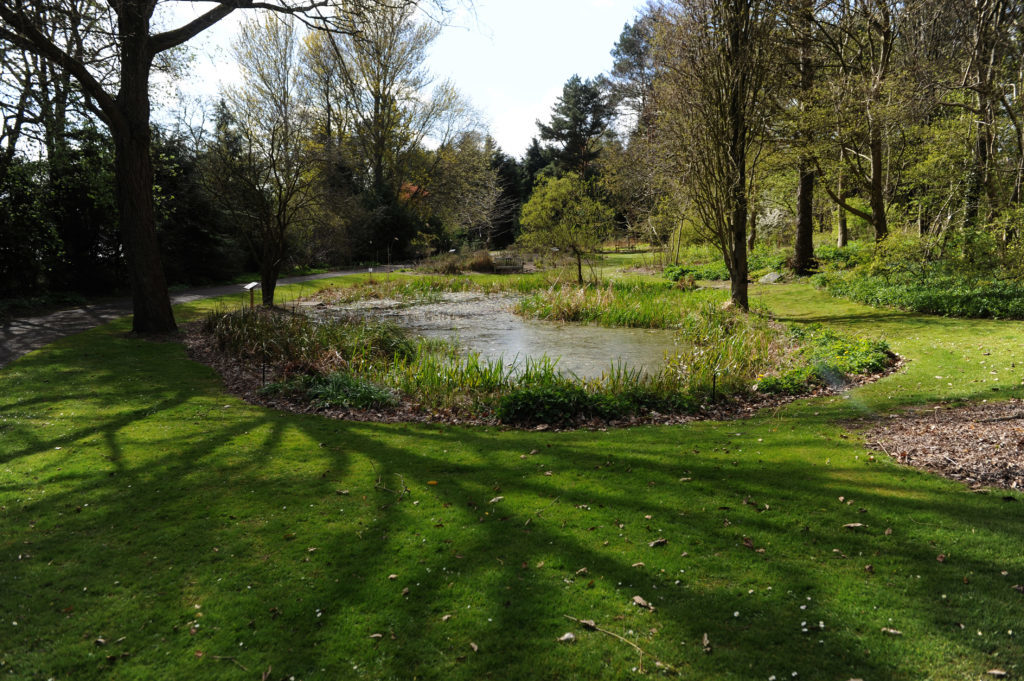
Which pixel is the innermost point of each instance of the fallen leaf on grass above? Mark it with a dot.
(589, 624)
(854, 526)
(1018, 587)
(582, 571)
(888, 531)
(941, 558)
(474, 646)
(706, 642)
(567, 637)
(496, 500)
(445, 618)
(660, 541)
(405, 591)
(998, 673)
(638, 600)
(392, 577)
(377, 636)
(891, 631)
(638, 565)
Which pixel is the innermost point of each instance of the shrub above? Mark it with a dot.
(338, 389)
(481, 261)
(950, 296)
(792, 382)
(847, 257)
(555, 403)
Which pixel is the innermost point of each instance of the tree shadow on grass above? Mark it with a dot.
(195, 523)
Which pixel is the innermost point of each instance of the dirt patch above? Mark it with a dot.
(245, 382)
(979, 444)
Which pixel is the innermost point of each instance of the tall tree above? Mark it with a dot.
(631, 78)
(802, 21)
(259, 165)
(578, 120)
(866, 99)
(124, 105)
(718, 62)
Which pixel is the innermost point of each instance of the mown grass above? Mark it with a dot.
(201, 537)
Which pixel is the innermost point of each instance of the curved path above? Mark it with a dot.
(21, 335)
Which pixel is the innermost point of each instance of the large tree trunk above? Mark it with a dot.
(877, 188)
(268, 283)
(803, 253)
(738, 269)
(151, 304)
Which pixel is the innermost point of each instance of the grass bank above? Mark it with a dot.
(197, 536)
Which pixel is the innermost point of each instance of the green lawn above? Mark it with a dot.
(201, 537)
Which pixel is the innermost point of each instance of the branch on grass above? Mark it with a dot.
(589, 624)
(230, 659)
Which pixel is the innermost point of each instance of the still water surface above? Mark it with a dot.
(485, 324)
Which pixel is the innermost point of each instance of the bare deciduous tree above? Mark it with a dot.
(713, 107)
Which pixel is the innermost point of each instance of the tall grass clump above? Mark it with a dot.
(635, 304)
(297, 343)
(723, 351)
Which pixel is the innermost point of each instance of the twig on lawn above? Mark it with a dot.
(381, 486)
(638, 649)
(542, 509)
(230, 659)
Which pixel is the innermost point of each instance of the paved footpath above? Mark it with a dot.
(21, 335)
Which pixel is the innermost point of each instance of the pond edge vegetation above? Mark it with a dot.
(726, 362)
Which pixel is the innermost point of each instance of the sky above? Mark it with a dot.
(510, 58)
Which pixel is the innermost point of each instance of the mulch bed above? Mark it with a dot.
(246, 381)
(979, 444)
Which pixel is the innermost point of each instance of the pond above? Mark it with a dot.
(485, 324)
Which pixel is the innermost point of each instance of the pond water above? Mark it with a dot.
(485, 324)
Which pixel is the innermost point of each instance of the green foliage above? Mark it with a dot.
(578, 119)
(761, 261)
(849, 256)
(948, 296)
(793, 381)
(711, 271)
(967, 279)
(723, 351)
(336, 389)
(555, 403)
(562, 214)
(826, 357)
